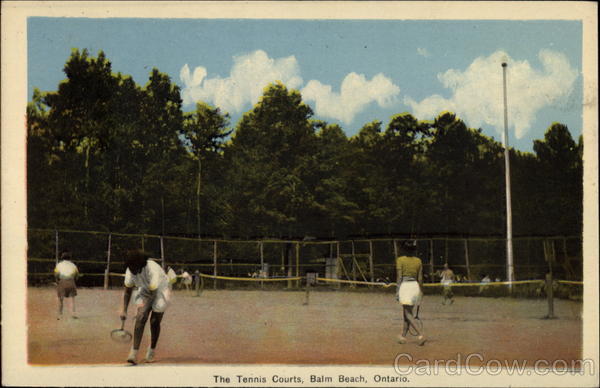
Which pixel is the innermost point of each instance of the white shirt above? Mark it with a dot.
(152, 277)
(66, 270)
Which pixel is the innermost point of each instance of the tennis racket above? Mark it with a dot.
(121, 335)
(418, 323)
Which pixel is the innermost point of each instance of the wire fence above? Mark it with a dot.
(99, 256)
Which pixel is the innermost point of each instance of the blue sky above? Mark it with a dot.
(350, 72)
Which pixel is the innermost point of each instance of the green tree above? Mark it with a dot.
(336, 213)
(404, 142)
(561, 170)
(461, 159)
(205, 131)
(269, 161)
(163, 152)
(77, 127)
(367, 180)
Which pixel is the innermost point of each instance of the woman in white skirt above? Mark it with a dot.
(409, 271)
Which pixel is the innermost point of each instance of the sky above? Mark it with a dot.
(350, 72)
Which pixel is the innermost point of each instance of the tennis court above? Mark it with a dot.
(275, 327)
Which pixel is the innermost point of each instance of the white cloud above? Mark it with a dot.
(477, 92)
(423, 51)
(355, 94)
(250, 73)
(248, 77)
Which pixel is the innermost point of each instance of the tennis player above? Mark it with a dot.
(447, 280)
(186, 279)
(151, 297)
(66, 272)
(409, 275)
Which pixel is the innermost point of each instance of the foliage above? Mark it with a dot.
(107, 154)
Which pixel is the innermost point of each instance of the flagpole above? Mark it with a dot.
(510, 272)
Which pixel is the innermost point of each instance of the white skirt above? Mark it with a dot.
(410, 293)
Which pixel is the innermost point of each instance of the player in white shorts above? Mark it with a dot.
(186, 280)
(66, 272)
(151, 297)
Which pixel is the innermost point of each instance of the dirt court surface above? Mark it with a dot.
(274, 327)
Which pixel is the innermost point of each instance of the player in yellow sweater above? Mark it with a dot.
(409, 278)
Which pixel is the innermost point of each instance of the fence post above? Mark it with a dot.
(337, 264)
(371, 261)
(215, 264)
(143, 246)
(431, 268)
(56, 245)
(395, 250)
(106, 273)
(571, 275)
(467, 259)
(162, 252)
(446, 250)
(297, 264)
(353, 265)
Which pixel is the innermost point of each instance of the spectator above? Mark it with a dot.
(66, 272)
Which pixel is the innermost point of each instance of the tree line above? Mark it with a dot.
(104, 153)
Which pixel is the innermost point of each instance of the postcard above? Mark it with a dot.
(299, 194)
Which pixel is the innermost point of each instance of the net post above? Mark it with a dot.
(262, 264)
(549, 278)
(307, 289)
(106, 272)
(199, 285)
(550, 294)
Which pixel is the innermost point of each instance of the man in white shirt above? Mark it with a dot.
(151, 297)
(447, 278)
(66, 272)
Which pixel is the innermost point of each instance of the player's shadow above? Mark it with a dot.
(189, 360)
